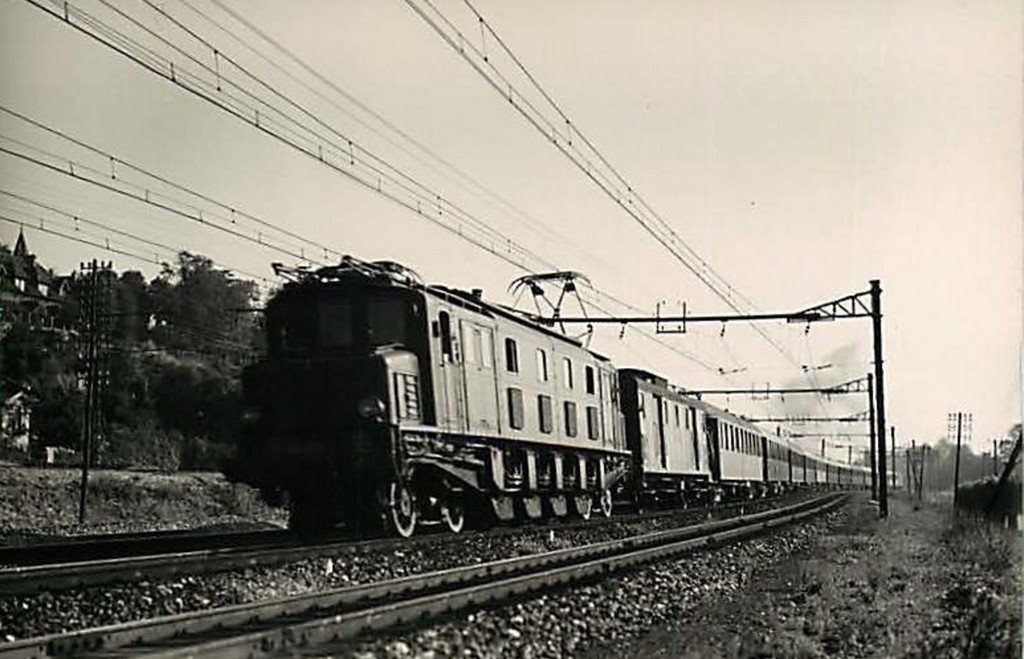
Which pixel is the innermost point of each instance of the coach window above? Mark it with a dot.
(511, 356)
(567, 372)
(592, 422)
(589, 377)
(544, 413)
(570, 418)
(446, 335)
(515, 408)
(542, 365)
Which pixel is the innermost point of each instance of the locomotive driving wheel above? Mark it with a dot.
(605, 502)
(584, 505)
(453, 513)
(401, 510)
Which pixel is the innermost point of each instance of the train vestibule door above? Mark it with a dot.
(452, 381)
(478, 370)
(711, 435)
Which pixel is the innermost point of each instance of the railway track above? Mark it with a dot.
(104, 546)
(153, 558)
(263, 628)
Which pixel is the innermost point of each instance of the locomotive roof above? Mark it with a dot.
(477, 303)
(387, 274)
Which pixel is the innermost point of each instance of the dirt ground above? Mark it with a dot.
(37, 503)
(919, 584)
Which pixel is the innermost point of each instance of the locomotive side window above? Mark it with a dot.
(592, 423)
(511, 356)
(446, 335)
(515, 408)
(544, 413)
(589, 377)
(570, 418)
(676, 407)
(542, 365)
(567, 372)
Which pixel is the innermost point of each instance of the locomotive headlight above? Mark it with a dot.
(250, 415)
(371, 407)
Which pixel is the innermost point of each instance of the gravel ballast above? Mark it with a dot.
(590, 620)
(47, 613)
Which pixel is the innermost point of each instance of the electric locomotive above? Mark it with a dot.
(383, 402)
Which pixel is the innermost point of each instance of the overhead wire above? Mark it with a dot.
(79, 217)
(624, 199)
(176, 79)
(443, 164)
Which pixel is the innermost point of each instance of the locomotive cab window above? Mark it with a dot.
(589, 378)
(542, 365)
(334, 324)
(341, 320)
(385, 321)
(567, 372)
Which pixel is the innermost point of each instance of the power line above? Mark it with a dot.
(76, 218)
(118, 161)
(445, 164)
(627, 199)
(176, 76)
(75, 169)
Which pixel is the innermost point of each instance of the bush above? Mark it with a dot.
(141, 446)
(975, 497)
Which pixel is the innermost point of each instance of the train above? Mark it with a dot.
(384, 404)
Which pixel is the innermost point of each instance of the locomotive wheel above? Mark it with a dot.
(584, 505)
(401, 510)
(453, 512)
(605, 503)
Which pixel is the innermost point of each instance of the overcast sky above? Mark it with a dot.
(801, 148)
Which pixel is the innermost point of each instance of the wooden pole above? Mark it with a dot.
(876, 327)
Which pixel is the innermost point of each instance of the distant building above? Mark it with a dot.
(29, 292)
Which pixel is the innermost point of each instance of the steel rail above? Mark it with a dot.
(259, 628)
(28, 579)
(115, 545)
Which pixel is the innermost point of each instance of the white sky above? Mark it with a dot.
(802, 148)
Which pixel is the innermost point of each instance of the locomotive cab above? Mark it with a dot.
(342, 373)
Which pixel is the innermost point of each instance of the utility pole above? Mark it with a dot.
(892, 432)
(879, 382)
(995, 457)
(871, 414)
(94, 321)
(89, 329)
(956, 469)
(906, 463)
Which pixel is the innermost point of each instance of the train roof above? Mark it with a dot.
(395, 275)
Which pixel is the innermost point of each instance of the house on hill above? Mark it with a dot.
(29, 292)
